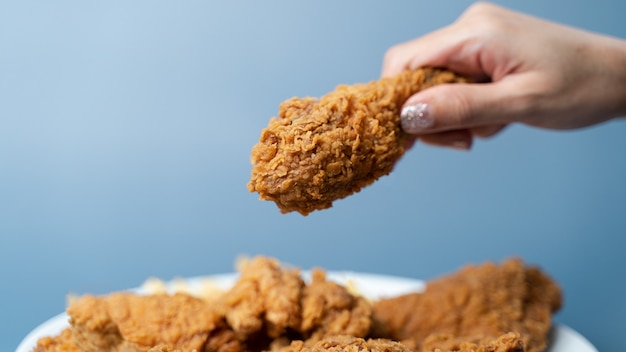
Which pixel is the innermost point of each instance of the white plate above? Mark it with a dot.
(563, 338)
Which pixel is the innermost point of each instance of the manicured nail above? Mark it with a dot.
(416, 118)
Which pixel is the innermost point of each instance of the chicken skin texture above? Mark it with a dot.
(337, 343)
(128, 322)
(268, 306)
(63, 342)
(342, 343)
(486, 308)
(265, 299)
(319, 150)
(275, 301)
(472, 308)
(329, 309)
(346, 343)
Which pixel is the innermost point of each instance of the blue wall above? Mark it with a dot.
(125, 134)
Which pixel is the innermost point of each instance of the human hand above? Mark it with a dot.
(528, 70)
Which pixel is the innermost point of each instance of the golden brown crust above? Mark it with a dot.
(329, 309)
(485, 308)
(510, 342)
(63, 342)
(267, 307)
(129, 322)
(345, 343)
(275, 301)
(266, 297)
(475, 305)
(319, 150)
(163, 348)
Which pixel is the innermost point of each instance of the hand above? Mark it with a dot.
(527, 70)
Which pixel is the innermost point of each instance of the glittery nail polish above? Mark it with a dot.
(416, 118)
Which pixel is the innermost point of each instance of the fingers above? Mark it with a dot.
(459, 47)
(534, 72)
(450, 47)
(452, 107)
(420, 52)
(487, 131)
(459, 139)
(410, 142)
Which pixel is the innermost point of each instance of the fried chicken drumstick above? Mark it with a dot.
(319, 150)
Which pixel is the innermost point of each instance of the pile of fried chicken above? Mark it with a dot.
(492, 307)
(317, 151)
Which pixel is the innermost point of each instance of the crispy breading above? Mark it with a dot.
(510, 342)
(475, 305)
(163, 348)
(485, 308)
(129, 322)
(346, 343)
(267, 307)
(274, 300)
(319, 150)
(224, 339)
(330, 309)
(63, 342)
(266, 298)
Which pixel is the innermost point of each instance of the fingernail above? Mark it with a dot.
(416, 118)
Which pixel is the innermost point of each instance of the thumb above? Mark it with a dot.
(457, 106)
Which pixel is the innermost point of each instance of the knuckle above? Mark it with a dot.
(391, 54)
(480, 9)
(485, 18)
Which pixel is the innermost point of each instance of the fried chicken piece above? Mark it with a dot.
(346, 343)
(266, 308)
(128, 322)
(163, 348)
(319, 150)
(274, 301)
(474, 306)
(265, 299)
(488, 308)
(510, 342)
(330, 309)
(64, 342)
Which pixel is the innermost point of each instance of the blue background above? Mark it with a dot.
(125, 135)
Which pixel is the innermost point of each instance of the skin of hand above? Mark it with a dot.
(527, 70)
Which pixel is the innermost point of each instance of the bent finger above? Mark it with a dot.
(457, 139)
(431, 49)
(487, 131)
(458, 106)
